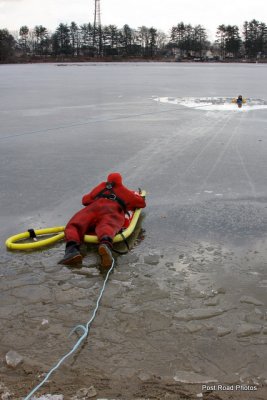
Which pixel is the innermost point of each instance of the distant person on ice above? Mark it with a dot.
(240, 101)
(105, 208)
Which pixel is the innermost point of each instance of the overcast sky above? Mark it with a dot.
(162, 14)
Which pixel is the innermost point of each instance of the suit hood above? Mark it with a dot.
(115, 178)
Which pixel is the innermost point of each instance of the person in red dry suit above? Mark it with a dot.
(105, 208)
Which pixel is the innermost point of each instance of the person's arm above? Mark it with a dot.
(90, 197)
(87, 199)
(137, 201)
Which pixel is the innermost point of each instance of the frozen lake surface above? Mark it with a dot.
(191, 296)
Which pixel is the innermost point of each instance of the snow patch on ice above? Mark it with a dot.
(214, 103)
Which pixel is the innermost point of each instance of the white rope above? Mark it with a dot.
(85, 329)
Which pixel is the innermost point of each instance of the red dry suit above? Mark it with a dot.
(104, 215)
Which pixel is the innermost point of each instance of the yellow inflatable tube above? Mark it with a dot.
(11, 243)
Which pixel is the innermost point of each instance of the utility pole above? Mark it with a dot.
(97, 28)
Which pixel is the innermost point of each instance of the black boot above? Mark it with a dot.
(72, 254)
(104, 250)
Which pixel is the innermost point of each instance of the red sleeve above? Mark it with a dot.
(89, 197)
(139, 201)
(134, 200)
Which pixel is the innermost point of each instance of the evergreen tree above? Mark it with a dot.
(126, 39)
(232, 40)
(188, 39)
(87, 38)
(221, 39)
(24, 37)
(61, 40)
(152, 41)
(7, 44)
(255, 38)
(74, 38)
(42, 40)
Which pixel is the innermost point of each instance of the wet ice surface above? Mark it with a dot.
(188, 304)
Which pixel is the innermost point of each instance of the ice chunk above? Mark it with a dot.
(200, 313)
(13, 359)
(250, 300)
(248, 330)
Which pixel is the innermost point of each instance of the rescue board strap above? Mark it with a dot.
(127, 245)
(32, 234)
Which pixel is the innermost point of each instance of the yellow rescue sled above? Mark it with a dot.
(48, 236)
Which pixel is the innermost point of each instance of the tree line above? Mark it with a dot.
(87, 40)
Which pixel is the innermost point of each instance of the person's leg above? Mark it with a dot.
(74, 233)
(109, 224)
(72, 254)
(106, 228)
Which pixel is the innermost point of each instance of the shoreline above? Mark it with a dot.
(126, 60)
